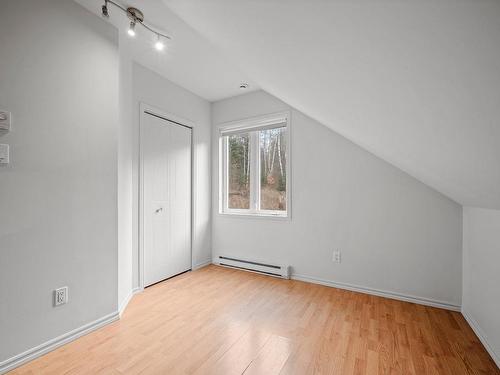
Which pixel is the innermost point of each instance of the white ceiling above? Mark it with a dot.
(415, 82)
(189, 60)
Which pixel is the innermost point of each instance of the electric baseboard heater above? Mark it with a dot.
(274, 270)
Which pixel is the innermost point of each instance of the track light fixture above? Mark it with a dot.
(159, 44)
(131, 29)
(105, 10)
(136, 17)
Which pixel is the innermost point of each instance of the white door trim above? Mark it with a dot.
(143, 107)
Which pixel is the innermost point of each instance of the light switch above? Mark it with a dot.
(4, 154)
(5, 120)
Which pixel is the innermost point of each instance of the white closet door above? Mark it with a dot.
(166, 163)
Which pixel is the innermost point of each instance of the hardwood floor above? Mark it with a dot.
(222, 321)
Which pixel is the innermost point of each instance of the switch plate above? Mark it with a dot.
(4, 154)
(61, 296)
(336, 258)
(5, 120)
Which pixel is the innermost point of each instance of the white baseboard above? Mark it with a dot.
(202, 264)
(50, 345)
(126, 300)
(378, 292)
(482, 336)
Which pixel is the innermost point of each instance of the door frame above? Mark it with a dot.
(148, 110)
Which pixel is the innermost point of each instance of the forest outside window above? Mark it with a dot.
(254, 165)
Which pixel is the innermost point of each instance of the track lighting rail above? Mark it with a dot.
(136, 17)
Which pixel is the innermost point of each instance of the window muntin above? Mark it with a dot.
(254, 167)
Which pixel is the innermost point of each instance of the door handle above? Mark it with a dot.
(158, 210)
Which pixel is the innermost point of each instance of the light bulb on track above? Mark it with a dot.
(159, 45)
(136, 17)
(131, 29)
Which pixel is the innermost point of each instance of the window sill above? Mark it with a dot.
(259, 216)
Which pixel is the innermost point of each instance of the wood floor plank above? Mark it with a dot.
(222, 322)
(271, 357)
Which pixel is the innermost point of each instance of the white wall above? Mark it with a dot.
(481, 276)
(415, 82)
(395, 233)
(58, 197)
(125, 198)
(154, 90)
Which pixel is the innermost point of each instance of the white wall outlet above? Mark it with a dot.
(61, 296)
(5, 120)
(336, 256)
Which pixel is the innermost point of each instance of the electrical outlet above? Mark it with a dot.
(61, 296)
(336, 258)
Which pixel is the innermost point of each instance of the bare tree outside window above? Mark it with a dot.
(255, 166)
(239, 171)
(272, 144)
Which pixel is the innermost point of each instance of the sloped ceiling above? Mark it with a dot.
(415, 82)
(189, 60)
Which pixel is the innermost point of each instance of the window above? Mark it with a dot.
(238, 171)
(254, 166)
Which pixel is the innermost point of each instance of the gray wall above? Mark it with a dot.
(152, 89)
(125, 197)
(395, 233)
(481, 276)
(58, 197)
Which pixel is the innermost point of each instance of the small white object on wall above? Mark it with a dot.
(5, 120)
(4, 154)
(61, 296)
(336, 256)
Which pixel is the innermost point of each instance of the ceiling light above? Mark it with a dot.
(243, 86)
(159, 44)
(105, 9)
(136, 17)
(131, 29)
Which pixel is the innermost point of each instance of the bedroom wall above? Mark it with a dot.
(125, 197)
(396, 235)
(481, 257)
(58, 196)
(154, 90)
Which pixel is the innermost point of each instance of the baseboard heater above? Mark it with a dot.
(253, 266)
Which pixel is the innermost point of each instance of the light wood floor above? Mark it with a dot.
(221, 321)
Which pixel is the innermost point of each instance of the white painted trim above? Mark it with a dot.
(258, 215)
(194, 202)
(255, 121)
(481, 336)
(53, 344)
(252, 124)
(202, 264)
(378, 292)
(126, 300)
(50, 345)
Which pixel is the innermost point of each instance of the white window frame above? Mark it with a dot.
(252, 125)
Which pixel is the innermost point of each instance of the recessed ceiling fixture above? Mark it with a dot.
(243, 86)
(136, 17)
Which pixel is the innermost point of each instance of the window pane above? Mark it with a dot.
(273, 169)
(238, 195)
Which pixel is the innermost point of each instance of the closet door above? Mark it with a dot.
(166, 163)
